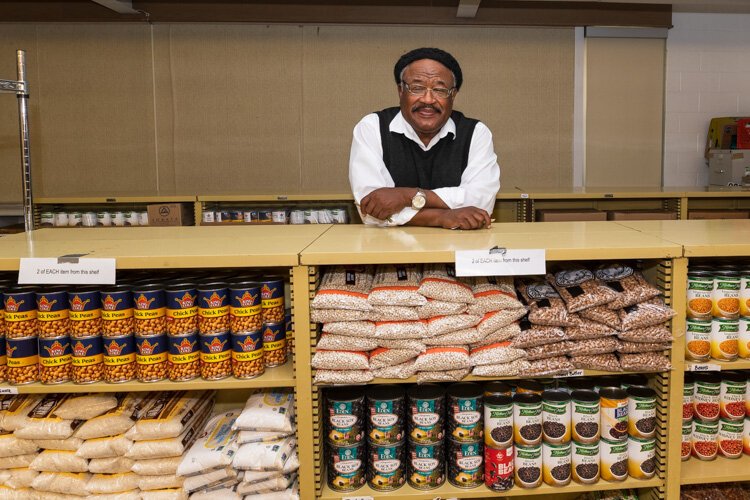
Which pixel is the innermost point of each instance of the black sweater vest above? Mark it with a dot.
(441, 166)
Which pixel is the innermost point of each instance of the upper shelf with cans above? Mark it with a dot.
(161, 327)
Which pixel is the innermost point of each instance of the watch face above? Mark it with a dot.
(418, 201)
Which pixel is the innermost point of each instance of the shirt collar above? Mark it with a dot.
(400, 126)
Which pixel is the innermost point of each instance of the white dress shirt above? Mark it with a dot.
(480, 180)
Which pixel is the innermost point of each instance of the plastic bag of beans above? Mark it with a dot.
(11, 446)
(630, 285)
(494, 320)
(413, 344)
(536, 335)
(603, 315)
(350, 328)
(344, 288)
(493, 293)
(443, 358)
(156, 467)
(7, 493)
(546, 307)
(645, 314)
(548, 366)
(499, 335)
(439, 282)
(86, 407)
(502, 369)
(17, 461)
(342, 376)
(382, 357)
(442, 376)
(604, 362)
(340, 360)
(102, 484)
(104, 447)
(66, 484)
(17, 411)
(112, 465)
(333, 342)
(493, 354)
(587, 329)
(440, 325)
(59, 461)
(223, 493)
(267, 410)
(20, 478)
(70, 444)
(580, 289)
(656, 333)
(215, 448)
(400, 330)
(590, 347)
(400, 371)
(147, 483)
(397, 285)
(636, 347)
(548, 350)
(170, 494)
(645, 361)
(394, 313)
(440, 308)
(459, 337)
(332, 315)
(169, 414)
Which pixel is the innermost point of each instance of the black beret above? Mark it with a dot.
(438, 55)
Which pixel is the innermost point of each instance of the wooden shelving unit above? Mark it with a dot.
(721, 470)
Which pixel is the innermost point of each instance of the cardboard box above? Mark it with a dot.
(718, 214)
(722, 134)
(572, 214)
(170, 214)
(641, 215)
(727, 166)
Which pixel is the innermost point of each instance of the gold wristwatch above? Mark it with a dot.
(419, 200)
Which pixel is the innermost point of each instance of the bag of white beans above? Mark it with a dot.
(439, 282)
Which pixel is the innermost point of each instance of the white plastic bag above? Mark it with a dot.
(107, 447)
(214, 448)
(264, 456)
(271, 410)
(117, 420)
(59, 461)
(169, 414)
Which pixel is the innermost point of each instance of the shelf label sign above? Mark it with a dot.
(8, 390)
(571, 373)
(500, 262)
(66, 271)
(704, 367)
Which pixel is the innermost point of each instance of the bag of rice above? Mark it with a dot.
(340, 360)
(603, 315)
(11, 494)
(269, 410)
(61, 482)
(439, 282)
(20, 478)
(215, 447)
(580, 289)
(334, 315)
(442, 376)
(210, 479)
(382, 357)
(149, 449)
(86, 407)
(114, 465)
(264, 456)
(443, 358)
(350, 328)
(17, 461)
(587, 329)
(499, 335)
(536, 335)
(548, 350)
(257, 476)
(156, 467)
(494, 320)
(223, 493)
(396, 285)
(440, 308)
(493, 293)
(657, 333)
(290, 494)
(4, 476)
(11, 446)
(394, 313)
(332, 342)
(106, 447)
(276, 483)
(117, 420)
(124, 495)
(16, 409)
(169, 414)
(59, 461)
(493, 354)
(400, 371)
(645, 314)
(344, 288)
(342, 377)
(400, 330)
(146, 483)
(70, 444)
(172, 494)
(102, 484)
(260, 436)
(545, 305)
(440, 325)
(630, 285)
(502, 370)
(42, 421)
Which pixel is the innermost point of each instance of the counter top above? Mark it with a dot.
(701, 238)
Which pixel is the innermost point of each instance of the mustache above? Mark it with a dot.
(425, 106)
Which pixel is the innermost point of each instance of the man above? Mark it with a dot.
(423, 164)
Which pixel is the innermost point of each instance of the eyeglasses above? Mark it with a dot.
(421, 90)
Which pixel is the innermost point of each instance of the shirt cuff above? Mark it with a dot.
(454, 197)
(397, 219)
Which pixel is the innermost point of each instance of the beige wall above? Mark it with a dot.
(256, 109)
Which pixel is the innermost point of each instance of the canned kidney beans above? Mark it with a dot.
(426, 465)
(706, 398)
(465, 412)
(527, 419)
(465, 464)
(345, 416)
(385, 406)
(426, 410)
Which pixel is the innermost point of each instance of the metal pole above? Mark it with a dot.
(23, 121)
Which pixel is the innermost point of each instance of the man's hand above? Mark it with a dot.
(465, 218)
(384, 202)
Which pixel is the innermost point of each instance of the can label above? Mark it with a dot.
(274, 337)
(245, 301)
(556, 421)
(181, 303)
(465, 464)
(119, 350)
(426, 420)
(386, 425)
(213, 303)
(52, 306)
(426, 466)
(22, 352)
(498, 426)
(19, 306)
(585, 458)
(498, 468)
(745, 295)
(84, 306)
(345, 422)
(346, 472)
(725, 335)
(730, 438)
(465, 419)
(641, 458)
(746, 437)
(642, 416)
(725, 297)
(585, 421)
(117, 305)
(385, 470)
(272, 294)
(247, 346)
(744, 337)
(149, 305)
(732, 399)
(55, 352)
(614, 460)
(87, 351)
(183, 348)
(527, 423)
(215, 348)
(699, 289)
(528, 466)
(614, 414)
(706, 401)
(152, 350)
(556, 463)
(687, 433)
(705, 439)
(698, 340)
